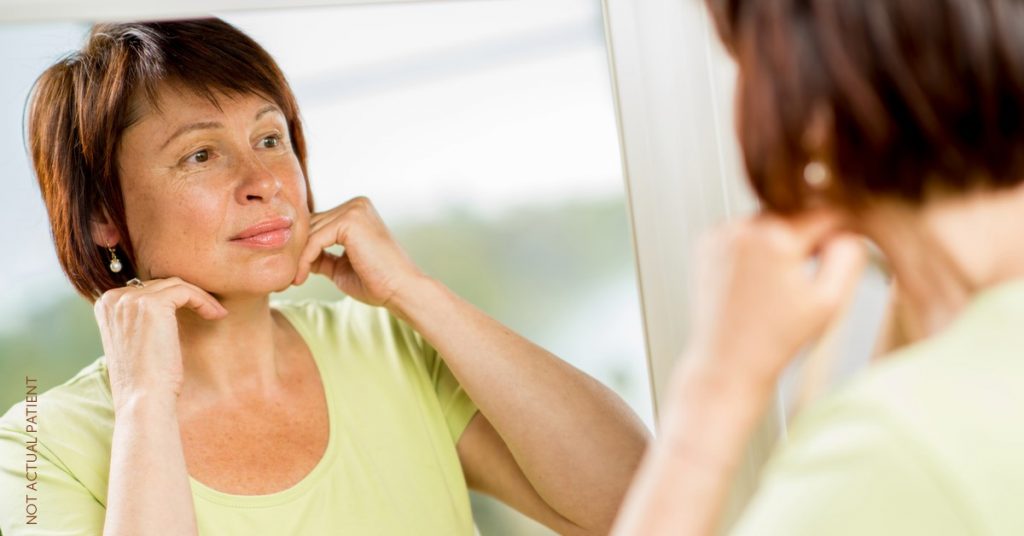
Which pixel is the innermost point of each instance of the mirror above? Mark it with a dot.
(484, 132)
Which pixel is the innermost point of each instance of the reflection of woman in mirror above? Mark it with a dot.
(172, 163)
(901, 121)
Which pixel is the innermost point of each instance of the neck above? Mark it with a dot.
(942, 254)
(232, 357)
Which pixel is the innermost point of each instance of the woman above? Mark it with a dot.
(172, 163)
(901, 121)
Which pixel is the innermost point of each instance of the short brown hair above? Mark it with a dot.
(81, 105)
(924, 96)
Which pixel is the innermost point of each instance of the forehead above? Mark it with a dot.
(173, 103)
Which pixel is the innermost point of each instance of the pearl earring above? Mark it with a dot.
(816, 174)
(115, 263)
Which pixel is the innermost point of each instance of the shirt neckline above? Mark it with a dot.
(322, 466)
(315, 474)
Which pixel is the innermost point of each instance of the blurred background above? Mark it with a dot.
(484, 131)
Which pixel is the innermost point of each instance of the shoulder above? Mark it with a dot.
(925, 442)
(84, 398)
(69, 426)
(855, 464)
(951, 394)
(847, 470)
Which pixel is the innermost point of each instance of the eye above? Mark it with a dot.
(271, 141)
(199, 158)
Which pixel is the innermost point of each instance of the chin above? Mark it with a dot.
(267, 281)
(257, 280)
(245, 276)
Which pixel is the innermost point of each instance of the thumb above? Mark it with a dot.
(325, 264)
(344, 274)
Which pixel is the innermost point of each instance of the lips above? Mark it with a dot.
(273, 232)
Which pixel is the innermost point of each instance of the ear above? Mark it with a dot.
(818, 144)
(104, 232)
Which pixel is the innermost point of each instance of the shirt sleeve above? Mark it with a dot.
(458, 408)
(849, 471)
(38, 495)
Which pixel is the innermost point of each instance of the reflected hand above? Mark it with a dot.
(373, 268)
(757, 303)
(139, 330)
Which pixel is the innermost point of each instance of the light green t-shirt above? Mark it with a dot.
(390, 467)
(928, 442)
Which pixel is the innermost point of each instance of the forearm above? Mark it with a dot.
(148, 490)
(683, 484)
(575, 440)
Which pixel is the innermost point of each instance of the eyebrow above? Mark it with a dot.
(267, 108)
(202, 125)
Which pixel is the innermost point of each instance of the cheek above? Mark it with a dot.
(176, 230)
(293, 189)
(302, 215)
(294, 184)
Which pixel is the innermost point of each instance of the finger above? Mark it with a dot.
(149, 285)
(842, 262)
(325, 264)
(325, 221)
(320, 218)
(811, 228)
(317, 242)
(187, 295)
(155, 285)
(316, 219)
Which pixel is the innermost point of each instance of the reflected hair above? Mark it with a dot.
(922, 98)
(81, 105)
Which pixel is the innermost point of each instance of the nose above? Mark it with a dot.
(258, 184)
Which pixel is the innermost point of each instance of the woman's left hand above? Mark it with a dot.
(373, 268)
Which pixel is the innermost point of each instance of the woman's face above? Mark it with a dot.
(197, 178)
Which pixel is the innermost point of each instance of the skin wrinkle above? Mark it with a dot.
(153, 237)
(180, 214)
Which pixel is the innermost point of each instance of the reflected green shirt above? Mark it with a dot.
(390, 467)
(929, 442)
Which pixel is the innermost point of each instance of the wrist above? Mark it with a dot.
(715, 378)
(708, 390)
(409, 299)
(737, 366)
(145, 406)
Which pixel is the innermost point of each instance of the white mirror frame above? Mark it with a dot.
(658, 50)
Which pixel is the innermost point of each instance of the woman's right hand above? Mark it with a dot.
(139, 330)
(758, 304)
